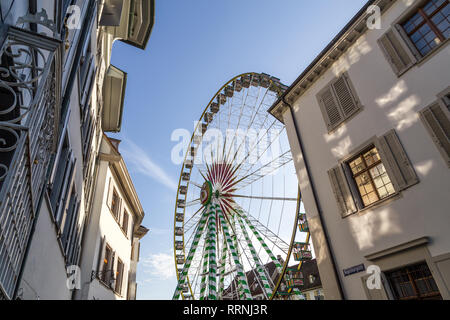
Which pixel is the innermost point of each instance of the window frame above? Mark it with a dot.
(397, 25)
(106, 267)
(119, 275)
(122, 226)
(408, 271)
(353, 176)
(115, 207)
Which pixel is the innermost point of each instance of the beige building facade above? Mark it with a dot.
(369, 129)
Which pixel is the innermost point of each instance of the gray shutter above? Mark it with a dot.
(101, 254)
(342, 192)
(330, 108)
(396, 161)
(437, 122)
(396, 52)
(110, 193)
(446, 100)
(346, 96)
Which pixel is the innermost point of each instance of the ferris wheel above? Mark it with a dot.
(239, 222)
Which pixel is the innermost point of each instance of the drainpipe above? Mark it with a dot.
(316, 198)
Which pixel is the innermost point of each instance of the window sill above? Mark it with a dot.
(433, 52)
(109, 288)
(378, 204)
(420, 61)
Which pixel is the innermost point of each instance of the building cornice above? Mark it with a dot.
(335, 49)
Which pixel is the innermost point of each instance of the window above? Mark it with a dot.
(379, 169)
(437, 121)
(338, 102)
(115, 204)
(62, 183)
(429, 25)
(125, 222)
(106, 270)
(119, 276)
(371, 177)
(413, 283)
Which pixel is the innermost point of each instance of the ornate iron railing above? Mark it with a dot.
(29, 116)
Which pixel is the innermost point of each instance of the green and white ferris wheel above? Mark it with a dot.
(239, 223)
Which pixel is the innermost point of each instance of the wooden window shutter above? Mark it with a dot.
(345, 96)
(437, 122)
(330, 108)
(110, 193)
(396, 52)
(396, 161)
(101, 254)
(342, 192)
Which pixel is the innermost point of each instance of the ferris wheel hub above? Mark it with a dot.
(206, 193)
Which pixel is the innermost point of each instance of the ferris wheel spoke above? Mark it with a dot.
(254, 148)
(198, 185)
(263, 171)
(193, 220)
(261, 198)
(192, 203)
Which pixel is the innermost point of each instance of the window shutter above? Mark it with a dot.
(66, 190)
(101, 254)
(110, 193)
(437, 122)
(345, 95)
(330, 108)
(396, 52)
(342, 192)
(396, 161)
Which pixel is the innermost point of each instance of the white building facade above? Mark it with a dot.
(369, 129)
(59, 94)
(111, 248)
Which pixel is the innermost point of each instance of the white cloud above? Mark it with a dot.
(159, 265)
(142, 162)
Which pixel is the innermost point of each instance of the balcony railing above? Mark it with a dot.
(29, 116)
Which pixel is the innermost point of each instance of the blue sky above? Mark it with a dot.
(195, 47)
